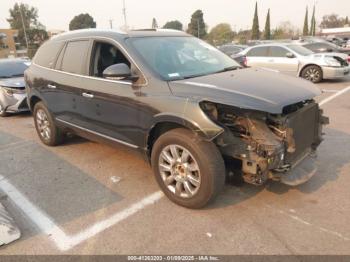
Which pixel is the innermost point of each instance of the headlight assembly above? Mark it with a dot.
(331, 61)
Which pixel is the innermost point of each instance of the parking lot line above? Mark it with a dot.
(63, 241)
(325, 101)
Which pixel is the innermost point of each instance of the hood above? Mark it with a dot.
(255, 89)
(341, 55)
(17, 82)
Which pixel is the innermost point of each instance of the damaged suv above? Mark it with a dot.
(193, 112)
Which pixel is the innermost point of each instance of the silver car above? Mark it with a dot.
(293, 59)
(12, 88)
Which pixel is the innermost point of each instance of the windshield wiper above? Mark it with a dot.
(226, 69)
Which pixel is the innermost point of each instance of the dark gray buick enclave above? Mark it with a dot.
(192, 110)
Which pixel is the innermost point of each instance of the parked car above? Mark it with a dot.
(231, 49)
(12, 88)
(296, 60)
(326, 47)
(191, 110)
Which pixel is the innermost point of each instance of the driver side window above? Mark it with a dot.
(103, 56)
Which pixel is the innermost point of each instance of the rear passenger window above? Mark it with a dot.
(74, 59)
(276, 51)
(258, 52)
(47, 54)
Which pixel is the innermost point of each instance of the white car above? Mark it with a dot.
(293, 59)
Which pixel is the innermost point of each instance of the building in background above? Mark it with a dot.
(9, 45)
(339, 32)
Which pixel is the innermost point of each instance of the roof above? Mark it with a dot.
(111, 33)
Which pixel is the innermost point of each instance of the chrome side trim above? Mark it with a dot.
(96, 133)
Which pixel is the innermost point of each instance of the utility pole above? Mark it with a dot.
(198, 27)
(24, 27)
(124, 14)
(111, 23)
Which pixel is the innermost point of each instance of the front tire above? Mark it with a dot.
(189, 170)
(46, 128)
(313, 74)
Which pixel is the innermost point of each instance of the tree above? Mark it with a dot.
(177, 25)
(267, 32)
(197, 26)
(154, 24)
(285, 30)
(82, 21)
(255, 28)
(220, 34)
(34, 30)
(306, 23)
(332, 21)
(313, 24)
(347, 20)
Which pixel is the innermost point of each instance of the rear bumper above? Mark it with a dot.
(335, 72)
(14, 103)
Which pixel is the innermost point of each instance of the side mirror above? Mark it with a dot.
(119, 72)
(290, 55)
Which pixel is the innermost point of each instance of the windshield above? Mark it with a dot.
(176, 58)
(300, 50)
(10, 69)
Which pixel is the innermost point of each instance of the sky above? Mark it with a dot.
(56, 14)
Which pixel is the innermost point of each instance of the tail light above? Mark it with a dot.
(349, 58)
(245, 61)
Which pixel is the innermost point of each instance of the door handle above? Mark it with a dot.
(51, 86)
(88, 95)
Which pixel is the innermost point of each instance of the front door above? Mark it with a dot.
(107, 107)
(278, 60)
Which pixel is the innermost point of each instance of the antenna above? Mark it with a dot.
(111, 23)
(124, 14)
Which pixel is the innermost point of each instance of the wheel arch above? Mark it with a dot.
(307, 65)
(33, 100)
(164, 123)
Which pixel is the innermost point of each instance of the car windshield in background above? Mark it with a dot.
(300, 50)
(10, 69)
(176, 58)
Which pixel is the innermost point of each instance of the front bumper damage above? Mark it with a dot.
(268, 146)
(15, 102)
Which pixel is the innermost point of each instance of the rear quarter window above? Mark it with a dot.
(47, 54)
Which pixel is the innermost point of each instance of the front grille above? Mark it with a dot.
(305, 125)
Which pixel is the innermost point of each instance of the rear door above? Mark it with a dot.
(257, 57)
(71, 67)
(278, 60)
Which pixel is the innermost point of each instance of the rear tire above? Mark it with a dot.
(46, 128)
(312, 73)
(189, 170)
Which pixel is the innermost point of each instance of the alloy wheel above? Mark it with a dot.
(179, 171)
(43, 124)
(312, 74)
